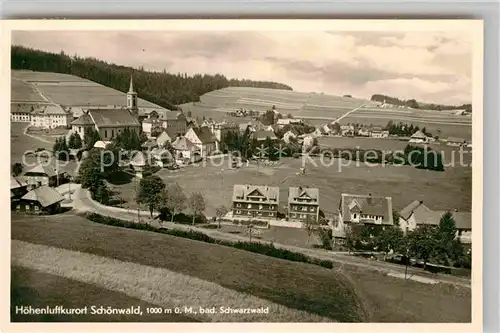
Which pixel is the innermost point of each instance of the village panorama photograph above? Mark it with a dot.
(241, 176)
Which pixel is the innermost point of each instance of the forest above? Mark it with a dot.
(165, 89)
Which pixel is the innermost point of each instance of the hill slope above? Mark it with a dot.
(164, 89)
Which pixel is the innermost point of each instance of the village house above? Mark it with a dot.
(162, 157)
(303, 204)
(347, 130)
(379, 133)
(40, 175)
(255, 202)
(252, 126)
(417, 214)
(162, 139)
(203, 139)
(319, 132)
(40, 200)
(139, 162)
(307, 141)
(288, 121)
(151, 127)
(419, 137)
(364, 131)
(220, 130)
(50, 116)
(174, 123)
(457, 142)
(263, 135)
(21, 112)
(185, 151)
(361, 209)
(18, 187)
(327, 129)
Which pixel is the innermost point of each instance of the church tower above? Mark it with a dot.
(132, 99)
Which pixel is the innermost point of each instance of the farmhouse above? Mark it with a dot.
(303, 204)
(40, 175)
(162, 139)
(378, 132)
(18, 187)
(417, 214)
(346, 130)
(263, 135)
(362, 209)
(364, 131)
(457, 142)
(252, 201)
(203, 139)
(41, 200)
(185, 149)
(220, 130)
(418, 137)
(50, 116)
(288, 121)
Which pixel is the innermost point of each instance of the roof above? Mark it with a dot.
(42, 169)
(22, 180)
(204, 135)
(286, 121)
(102, 144)
(182, 143)
(113, 118)
(425, 215)
(14, 183)
(170, 115)
(162, 138)
(367, 204)
(139, 159)
(50, 109)
(457, 140)
(149, 144)
(419, 135)
(268, 192)
(83, 120)
(263, 135)
(45, 195)
(295, 193)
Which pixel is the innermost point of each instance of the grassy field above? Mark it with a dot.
(24, 92)
(300, 286)
(295, 285)
(320, 109)
(439, 190)
(69, 90)
(37, 289)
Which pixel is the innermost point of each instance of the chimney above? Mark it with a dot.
(369, 199)
(421, 201)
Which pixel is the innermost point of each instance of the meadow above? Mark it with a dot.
(68, 90)
(213, 274)
(447, 190)
(320, 109)
(345, 293)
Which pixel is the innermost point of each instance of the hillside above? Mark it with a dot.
(162, 88)
(419, 104)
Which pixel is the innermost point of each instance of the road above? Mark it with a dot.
(83, 203)
(346, 114)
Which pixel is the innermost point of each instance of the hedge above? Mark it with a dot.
(260, 248)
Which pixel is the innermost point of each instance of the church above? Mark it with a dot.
(110, 122)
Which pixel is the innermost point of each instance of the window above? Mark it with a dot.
(105, 133)
(354, 216)
(303, 216)
(18, 207)
(304, 209)
(238, 212)
(112, 133)
(27, 207)
(249, 205)
(260, 206)
(294, 215)
(36, 207)
(238, 205)
(270, 214)
(79, 129)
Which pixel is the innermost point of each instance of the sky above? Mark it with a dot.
(433, 67)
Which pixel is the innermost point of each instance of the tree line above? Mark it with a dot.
(430, 243)
(404, 129)
(162, 88)
(412, 103)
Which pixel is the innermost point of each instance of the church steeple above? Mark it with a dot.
(132, 98)
(131, 88)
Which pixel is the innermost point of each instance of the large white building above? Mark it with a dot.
(46, 116)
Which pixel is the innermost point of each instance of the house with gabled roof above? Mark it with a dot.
(303, 204)
(362, 209)
(185, 150)
(255, 201)
(162, 139)
(419, 137)
(39, 175)
(417, 214)
(40, 200)
(203, 139)
(263, 135)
